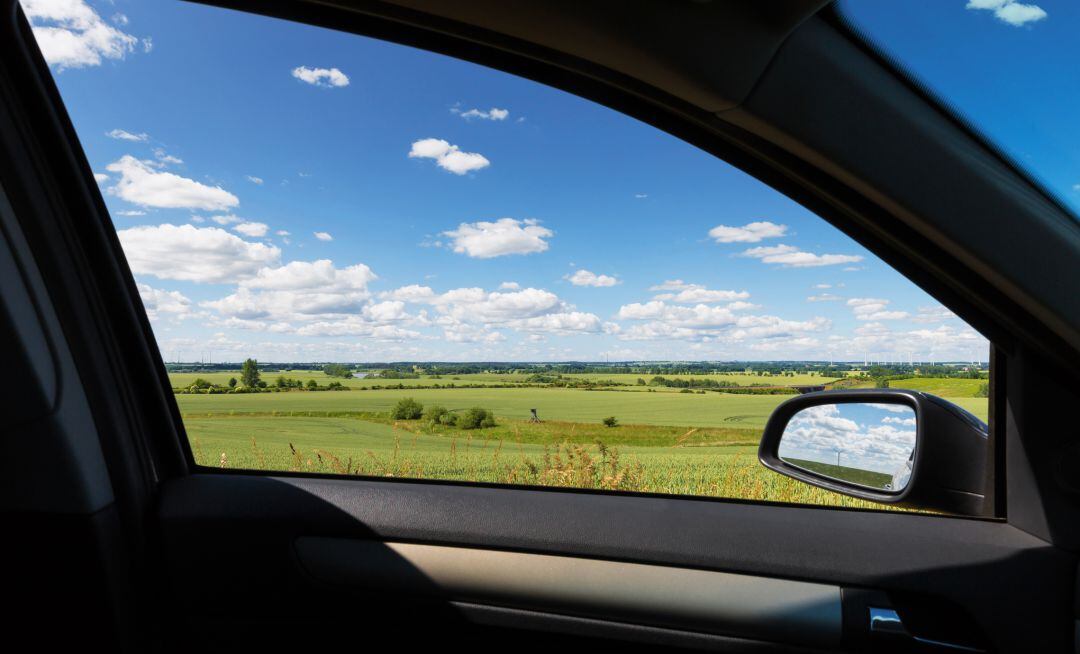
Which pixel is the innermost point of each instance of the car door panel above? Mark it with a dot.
(254, 522)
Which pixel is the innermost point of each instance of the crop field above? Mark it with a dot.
(694, 443)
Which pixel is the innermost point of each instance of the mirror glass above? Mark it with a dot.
(869, 444)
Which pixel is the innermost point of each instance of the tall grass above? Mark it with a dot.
(728, 472)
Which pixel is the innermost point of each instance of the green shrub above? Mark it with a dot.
(435, 414)
(312, 385)
(407, 409)
(476, 418)
(610, 421)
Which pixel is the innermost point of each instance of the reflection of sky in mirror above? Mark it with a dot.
(877, 437)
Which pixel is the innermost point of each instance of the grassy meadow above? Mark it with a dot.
(664, 441)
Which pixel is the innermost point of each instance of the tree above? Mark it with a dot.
(407, 409)
(312, 385)
(436, 414)
(249, 373)
(337, 370)
(232, 382)
(476, 418)
(610, 421)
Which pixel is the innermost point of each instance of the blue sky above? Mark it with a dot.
(464, 214)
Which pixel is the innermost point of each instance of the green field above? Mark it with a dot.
(666, 442)
(359, 447)
(573, 405)
(856, 475)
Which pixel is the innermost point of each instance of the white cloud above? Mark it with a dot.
(824, 297)
(412, 293)
(197, 254)
(447, 156)
(822, 286)
(282, 232)
(100, 177)
(491, 114)
(254, 230)
(323, 236)
(472, 334)
(71, 34)
(869, 308)
(750, 233)
(1010, 11)
(509, 286)
(131, 213)
(570, 322)
(587, 278)
(792, 257)
(306, 291)
(641, 196)
(140, 184)
(324, 77)
(226, 219)
(124, 135)
(253, 179)
(932, 313)
(159, 303)
(165, 158)
(696, 293)
(484, 240)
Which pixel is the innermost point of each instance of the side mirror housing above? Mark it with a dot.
(891, 446)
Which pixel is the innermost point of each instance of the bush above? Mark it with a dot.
(312, 385)
(983, 390)
(476, 418)
(232, 382)
(610, 421)
(435, 414)
(407, 409)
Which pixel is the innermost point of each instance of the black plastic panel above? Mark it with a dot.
(234, 534)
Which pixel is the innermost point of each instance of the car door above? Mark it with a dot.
(122, 531)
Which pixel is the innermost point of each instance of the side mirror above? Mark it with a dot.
(884, 445)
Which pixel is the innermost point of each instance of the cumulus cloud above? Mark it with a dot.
(1012, 12)
(490, 114)
(323, 236)
(695, 293)
(160, 303)
(141, 184)
(324, 77)
(485, 240)
(792, 257)
(587, 278)
(196, 254)
(750, 233)
(308, 291)
(869, 308)
(100, 177)
(124, 135)
(71, 34)
(448, 157)
(254, 230)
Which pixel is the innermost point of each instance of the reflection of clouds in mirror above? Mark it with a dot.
(864, 438)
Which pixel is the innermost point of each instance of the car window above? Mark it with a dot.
(1006, 66)
(361, 258)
